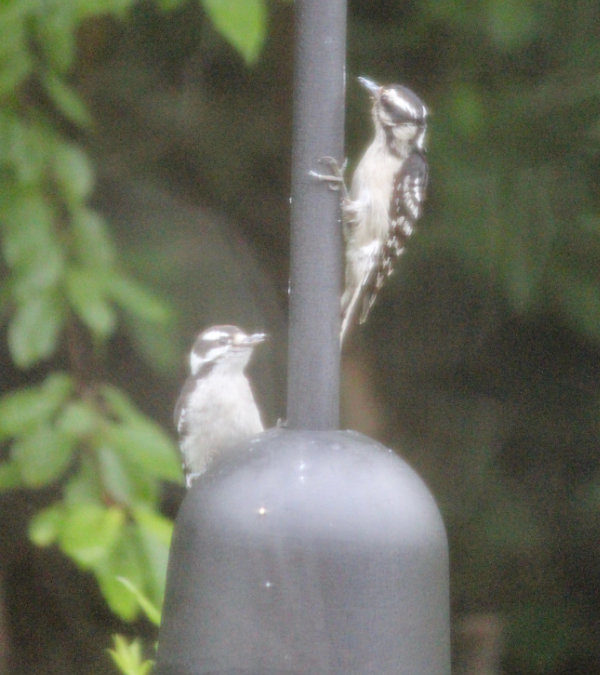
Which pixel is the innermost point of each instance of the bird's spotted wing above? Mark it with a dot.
(365, 260)
(406, 208)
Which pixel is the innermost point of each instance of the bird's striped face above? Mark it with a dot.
(399, 111)
(227, 344)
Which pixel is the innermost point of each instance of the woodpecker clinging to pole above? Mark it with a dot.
(386, 195)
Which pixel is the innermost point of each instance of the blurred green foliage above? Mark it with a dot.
(128, 657)
(490, 360)
(65, 290)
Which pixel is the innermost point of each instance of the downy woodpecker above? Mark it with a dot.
(216, 408)
(386, 195)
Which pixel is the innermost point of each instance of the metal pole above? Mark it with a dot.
(316, 267)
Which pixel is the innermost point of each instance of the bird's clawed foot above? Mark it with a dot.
(335, 179)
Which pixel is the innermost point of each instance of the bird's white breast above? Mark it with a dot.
(371, 194)
(220, 413)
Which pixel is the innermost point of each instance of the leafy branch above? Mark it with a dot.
(63, 296)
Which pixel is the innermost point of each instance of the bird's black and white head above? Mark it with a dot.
(222, 348)
(399, 114)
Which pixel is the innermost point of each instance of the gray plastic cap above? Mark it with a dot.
(308, 552)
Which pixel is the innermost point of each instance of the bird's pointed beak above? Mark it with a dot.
(256, 338)
(372, 87)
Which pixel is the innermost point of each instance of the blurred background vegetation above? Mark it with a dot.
(144, 184)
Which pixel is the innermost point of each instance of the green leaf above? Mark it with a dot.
(45, 525)
(74, 173)
(66, 99)
(78, 420)
(12, 18)
(56, 25)
(15, 60)
(42, 275)
(160, 527)
(14, 69)
(150, 609)
(22, 409)
(30, 246)
(83, 487)
(155, 536)
(121, 604)
(30, 146)
(89, 531)
(87, 294)
(28, 229)
(122, 479)
(10, 476)
(127, 656)
(147, 446)
(42, 455)
(120, 405)
(57, 387)
(243, 23)
(130, 460)
(115, 477)
(125, 558)
(93, 244)
(34, 329)
(132, 296)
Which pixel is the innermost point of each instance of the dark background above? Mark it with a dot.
(481, 358)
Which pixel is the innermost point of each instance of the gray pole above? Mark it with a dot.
(315, 268)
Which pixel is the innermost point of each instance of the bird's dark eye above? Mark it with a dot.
(386, 105)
